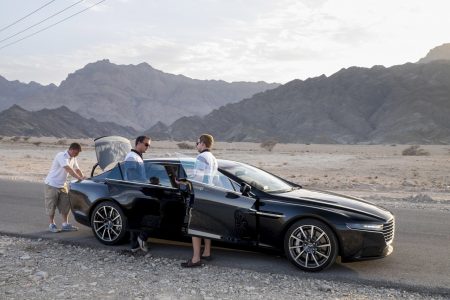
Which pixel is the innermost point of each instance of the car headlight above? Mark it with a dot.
(372, 227)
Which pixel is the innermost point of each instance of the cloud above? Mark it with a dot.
(235, 40)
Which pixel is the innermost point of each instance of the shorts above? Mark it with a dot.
(56, 198)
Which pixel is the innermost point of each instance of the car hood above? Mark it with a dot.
(111, 149)
(338, 201)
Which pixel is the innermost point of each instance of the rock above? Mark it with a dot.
(324, 288)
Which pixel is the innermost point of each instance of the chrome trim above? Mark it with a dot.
(140, 183)
(266, 214)
(389, 231)
(204, 234)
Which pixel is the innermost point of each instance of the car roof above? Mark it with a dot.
(177, 160)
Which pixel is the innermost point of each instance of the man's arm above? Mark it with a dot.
(78, 175)
(78, 171)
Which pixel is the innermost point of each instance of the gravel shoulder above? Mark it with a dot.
(42, 269)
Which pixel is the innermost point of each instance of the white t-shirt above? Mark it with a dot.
(133, 156)
(205, 167)
(57, 176)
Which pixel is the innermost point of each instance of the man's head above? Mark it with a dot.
(142, 143)
(74, 149)
(205, 141)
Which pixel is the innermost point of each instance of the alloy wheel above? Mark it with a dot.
(310, 246)
(107, 223)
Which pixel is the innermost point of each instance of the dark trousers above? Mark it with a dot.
(143, 235)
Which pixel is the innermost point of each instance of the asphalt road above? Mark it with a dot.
(420, 261)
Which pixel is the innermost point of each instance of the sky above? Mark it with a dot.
(231, 40)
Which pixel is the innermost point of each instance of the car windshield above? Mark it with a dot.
(257, 178)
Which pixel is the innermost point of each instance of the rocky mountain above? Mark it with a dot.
(132, 95)
(441, 52)
(15, 92)
(402, 104)
(59, 122)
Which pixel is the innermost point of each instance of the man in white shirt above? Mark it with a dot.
(140, 147)
(204, 171)
(56, 190)
(138, 240)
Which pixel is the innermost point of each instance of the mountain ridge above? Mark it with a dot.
(131, 95)
(59, 122)
(401, 104)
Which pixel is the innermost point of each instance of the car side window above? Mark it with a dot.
(223, 181)
(157, 174)
(133, 171)
(219, 180)
(114, 173)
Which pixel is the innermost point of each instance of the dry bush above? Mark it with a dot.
(26, 138)
(1, 138)
(15, 138)
(415, 150)
(61, 142)
(185, 146)
(268, 145)
(37, 144)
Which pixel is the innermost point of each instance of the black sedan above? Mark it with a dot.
(245, 206)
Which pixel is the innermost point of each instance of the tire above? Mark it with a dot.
(310, 245)
(109, 223)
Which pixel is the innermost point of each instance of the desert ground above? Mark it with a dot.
(379, 173)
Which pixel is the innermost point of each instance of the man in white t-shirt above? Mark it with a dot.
(56, 190)
(204, 171)
(138, 240)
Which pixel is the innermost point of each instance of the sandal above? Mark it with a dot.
(207, 258)
(190, 264)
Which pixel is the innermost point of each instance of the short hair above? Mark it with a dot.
(141, 139)
(207, 139)
(75, 146)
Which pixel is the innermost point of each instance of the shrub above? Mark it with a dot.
(37, 144)
(26, 138)
(185, 146)
(1, 138)
(61, 142)
(268, 145)
(15, 138)
(415, 150)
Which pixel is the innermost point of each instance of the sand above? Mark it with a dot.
(379, 173)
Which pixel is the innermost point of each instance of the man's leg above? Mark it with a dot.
(207, 249)
(64, 209)
(50, 199)
(134, 245)
(196, 246)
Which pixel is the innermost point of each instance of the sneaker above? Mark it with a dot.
(142, 244)
(53, 228)
(68, 227)
(135, 249)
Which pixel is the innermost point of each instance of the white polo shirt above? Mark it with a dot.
(205, 167)
(133, 156)
(57, 176)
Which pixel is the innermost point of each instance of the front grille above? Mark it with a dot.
(388, 231)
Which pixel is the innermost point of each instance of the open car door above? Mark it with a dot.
(222, 214)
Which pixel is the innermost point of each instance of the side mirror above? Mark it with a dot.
(245, 189)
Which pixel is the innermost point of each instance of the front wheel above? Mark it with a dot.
(310, 245)
(109, 223)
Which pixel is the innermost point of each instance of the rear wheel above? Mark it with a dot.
(109, 223)
(310, 245)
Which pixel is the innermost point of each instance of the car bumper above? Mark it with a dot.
(364, 245)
